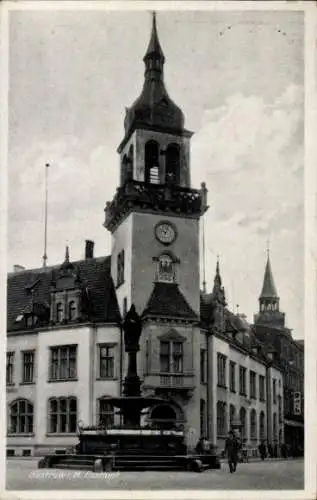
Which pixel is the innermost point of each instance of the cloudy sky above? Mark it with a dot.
(238, 77)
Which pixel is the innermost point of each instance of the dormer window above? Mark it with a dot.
(59, 312)
(72, 310)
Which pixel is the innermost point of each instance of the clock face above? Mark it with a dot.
(165, 233)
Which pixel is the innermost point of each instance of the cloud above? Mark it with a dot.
(79, 188)
(250, 153)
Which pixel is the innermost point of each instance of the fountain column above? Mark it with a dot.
(132, 328)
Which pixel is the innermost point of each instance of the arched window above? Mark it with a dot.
(243, 421)
(166, 272)
(151, 174)
(274, 426)
(130, 164)
(221, 419)
(62, 415)
(105, 413)
(172, 169)
(262, 425)
(21, 417)
(253, 424)
(71, 311)
(203, 418)
(59, 312)
(232, 413)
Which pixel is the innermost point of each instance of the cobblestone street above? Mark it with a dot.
(279, 475)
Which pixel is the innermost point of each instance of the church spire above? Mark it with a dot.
(218, 290)
(268, 288)
(217, 279)
(269, 300)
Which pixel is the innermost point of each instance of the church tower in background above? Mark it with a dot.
(269, 301)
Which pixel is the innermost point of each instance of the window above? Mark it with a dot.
(172, 162)
(262, 388)
(253, 424)
(232, 375)
(28, 367)
(171, 357)
(221, 419)
(71, 311)
(21, 417)
(62, 415)
(279, 402)
(274, 391)
(125, 307)
(63, 362)
(105, 413)
(177, 357)
(232, 414)
(252, 385)
(242, 380)
(262, 425)
(10, 368)
(274, 426)
(120, 268)
(106, 361)
(203, 374)
(221, 369)
(151, 155)
(203, 430)
(59, 312)
(243, 422)
(165, 357)
(127, 166)
(166, 269)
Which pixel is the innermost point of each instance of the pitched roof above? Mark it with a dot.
(168, 301)
(268, 288)
(95, 275)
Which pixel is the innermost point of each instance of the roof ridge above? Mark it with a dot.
(47, 269)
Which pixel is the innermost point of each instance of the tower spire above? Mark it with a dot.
(218, 290)
(269, 300)
(154, 104)
(268, 288)
(154, 50)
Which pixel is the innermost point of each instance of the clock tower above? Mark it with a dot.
(154, 222)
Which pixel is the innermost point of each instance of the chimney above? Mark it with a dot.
(89, 249)
(18, 269)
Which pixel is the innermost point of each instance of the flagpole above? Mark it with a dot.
(204, 255)
(45, 221)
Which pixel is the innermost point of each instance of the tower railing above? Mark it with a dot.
(157, 197)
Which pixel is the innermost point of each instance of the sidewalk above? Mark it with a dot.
(268, 459)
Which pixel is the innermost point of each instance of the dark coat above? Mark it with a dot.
(232, 447)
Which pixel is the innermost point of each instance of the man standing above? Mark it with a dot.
(262, 450)
(232, 450)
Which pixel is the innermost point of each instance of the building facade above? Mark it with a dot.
(65, 351)
(269, 325)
